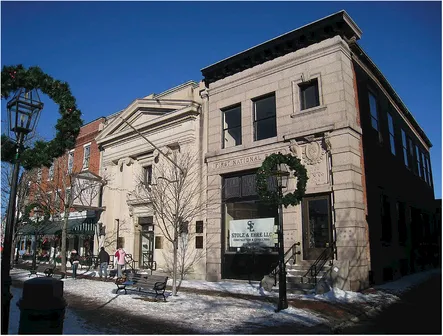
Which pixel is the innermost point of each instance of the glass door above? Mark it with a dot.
(317, 230)
(147, 246)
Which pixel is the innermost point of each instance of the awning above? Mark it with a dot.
(76, 226)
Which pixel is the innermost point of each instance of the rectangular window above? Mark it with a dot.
(419, 166)
(265, 122)
(57, 200)
(147, 175)
(386, 219)
(232, 127)
(158, 242)
(428, 164)
(309, 96)
(199, 242)
(402, 227)
(423, 167)
(51, 172)
(199, 226)
(39, 174)
(374, 111)
(411, 159)
(68, 196)
(405, 148)
(86, 156)
(183, 227)
(391, 133)
(70, 161)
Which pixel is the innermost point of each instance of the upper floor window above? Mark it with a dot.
(147, 175)
(405, 148)
(391, 133)
(70, 161)
(425, 168)
(51, 172)
(86, 156)
(419, 166)
(39, 174)
(374, 111)
(232, 127)
(265, 123)
(428, 164)
(309, 96)
(412, 162)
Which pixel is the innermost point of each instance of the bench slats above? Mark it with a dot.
(153, 283)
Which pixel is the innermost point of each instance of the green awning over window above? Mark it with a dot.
(76, 226)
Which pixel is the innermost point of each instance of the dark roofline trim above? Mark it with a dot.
(339, 23)
(365, 59)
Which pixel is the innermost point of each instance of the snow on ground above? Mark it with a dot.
(220, 314)
(208, 314)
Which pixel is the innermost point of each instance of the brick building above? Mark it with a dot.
(63, 184)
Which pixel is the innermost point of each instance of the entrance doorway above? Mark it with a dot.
(147, 246)
(317, 226)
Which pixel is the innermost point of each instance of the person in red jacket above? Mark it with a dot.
(120, 255)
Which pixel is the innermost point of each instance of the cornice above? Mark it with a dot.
(336, 24)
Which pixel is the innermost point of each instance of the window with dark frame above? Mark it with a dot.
(70, 161)
(232, 135)
(405, 148)
(199, 242)
(265, 121)
(373, 107)
(411, 153)
(183, 227)
(423, 167)
(428, 164)
(419, 166)
(147, 174)
(158, 242)
(309, 94)
(391, 133)
(402, 227)
(199, 226)
(386, 219)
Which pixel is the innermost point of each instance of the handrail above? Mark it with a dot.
(275, 266)
(318, 264)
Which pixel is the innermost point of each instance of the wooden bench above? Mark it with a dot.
(48, 270)
(150, 283)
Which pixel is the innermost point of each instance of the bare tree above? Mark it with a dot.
(66, 190)
(177, 199)
(23, 188)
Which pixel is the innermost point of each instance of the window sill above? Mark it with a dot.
(309, 111)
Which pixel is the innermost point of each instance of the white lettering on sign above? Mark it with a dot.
(256, 231)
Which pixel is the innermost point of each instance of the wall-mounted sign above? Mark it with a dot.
(256, 231)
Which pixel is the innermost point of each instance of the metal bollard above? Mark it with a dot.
(42, 307)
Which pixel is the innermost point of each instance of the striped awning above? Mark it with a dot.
(76, 226)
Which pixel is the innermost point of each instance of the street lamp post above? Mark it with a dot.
(282, 175)
(23, 113)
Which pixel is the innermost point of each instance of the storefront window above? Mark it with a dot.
(249, 229)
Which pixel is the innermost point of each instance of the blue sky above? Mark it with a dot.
(113, 52)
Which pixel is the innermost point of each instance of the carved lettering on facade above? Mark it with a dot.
(238, 162)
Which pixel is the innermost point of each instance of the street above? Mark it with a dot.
(418, 312)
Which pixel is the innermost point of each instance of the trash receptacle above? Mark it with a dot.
(42, 306)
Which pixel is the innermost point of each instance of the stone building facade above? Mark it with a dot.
(134, 145)
(301, 93)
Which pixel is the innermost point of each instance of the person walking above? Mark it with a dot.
(120, 255)
(103, 258)
(75, 260)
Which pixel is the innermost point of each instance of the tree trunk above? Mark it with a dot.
(174, 266)
(64, 235)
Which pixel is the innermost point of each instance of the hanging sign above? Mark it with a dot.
(257, 231)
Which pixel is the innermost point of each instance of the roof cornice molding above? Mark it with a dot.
(339, 23)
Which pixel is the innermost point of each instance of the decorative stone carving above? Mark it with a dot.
(313, 153)
(294, 148)
(326, 144)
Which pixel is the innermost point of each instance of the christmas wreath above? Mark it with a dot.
(67, 127)
(267, 171)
